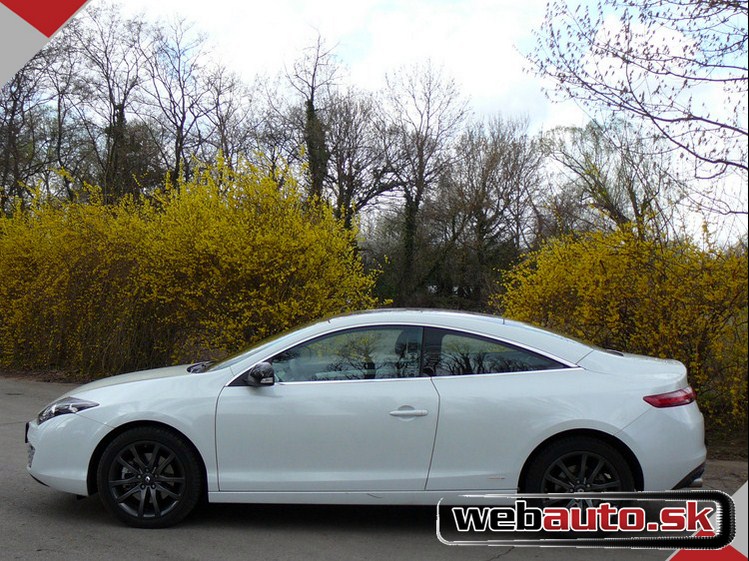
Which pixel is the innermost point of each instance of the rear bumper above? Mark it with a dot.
(693, 480)
(669, 443)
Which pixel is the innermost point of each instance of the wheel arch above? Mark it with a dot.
(93, 464)
(620, 447)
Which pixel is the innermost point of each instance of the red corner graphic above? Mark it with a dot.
(46, 15)
(725, 554)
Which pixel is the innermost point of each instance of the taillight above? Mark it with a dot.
(683, 396)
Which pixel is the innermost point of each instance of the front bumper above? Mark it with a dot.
(59, 451)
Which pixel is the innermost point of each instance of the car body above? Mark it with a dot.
(387, 406)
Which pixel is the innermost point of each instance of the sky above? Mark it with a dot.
(479, 43)
(476, 42)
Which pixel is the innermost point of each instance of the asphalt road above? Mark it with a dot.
(39, 523)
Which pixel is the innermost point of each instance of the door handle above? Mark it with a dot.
(409, 413)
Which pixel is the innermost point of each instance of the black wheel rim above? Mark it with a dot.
(580, 472)
(147, 480)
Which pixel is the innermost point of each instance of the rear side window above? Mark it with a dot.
(451, 353)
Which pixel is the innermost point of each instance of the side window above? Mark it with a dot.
(356, 354)
(449, 353)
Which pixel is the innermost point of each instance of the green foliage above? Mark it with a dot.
(664, 299)
(206, 267)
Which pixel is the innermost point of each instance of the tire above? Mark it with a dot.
(149, 477)
(578, 464)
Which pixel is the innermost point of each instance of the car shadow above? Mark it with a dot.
(289, 517)
(317, 517)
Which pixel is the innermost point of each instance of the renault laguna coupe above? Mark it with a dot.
(382, 407)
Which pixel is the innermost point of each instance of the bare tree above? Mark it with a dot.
(357, 172)
(278, 132)
(72, 151)
(482, 216)
(602, 167)
(23, 133)
(175, 92)
(230, 121)
(113, 70)
(313, 76)
(680, 65)
(422, 112)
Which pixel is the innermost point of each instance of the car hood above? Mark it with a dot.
(153, 374)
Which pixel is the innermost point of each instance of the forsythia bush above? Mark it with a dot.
(202, 269)
(664, 299)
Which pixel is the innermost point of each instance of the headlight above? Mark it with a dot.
(64, 406)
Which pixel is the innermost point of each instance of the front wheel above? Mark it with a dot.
(578, 465)
(149, 477)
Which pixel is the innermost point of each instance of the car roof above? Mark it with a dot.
(525, 335)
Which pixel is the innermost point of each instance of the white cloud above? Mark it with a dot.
(473, 40)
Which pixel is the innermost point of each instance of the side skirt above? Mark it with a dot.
(356, 498)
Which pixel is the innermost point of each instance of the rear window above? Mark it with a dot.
(452, 353)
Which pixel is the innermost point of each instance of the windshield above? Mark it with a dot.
(241, 355)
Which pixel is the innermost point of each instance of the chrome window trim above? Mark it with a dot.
(425, 325)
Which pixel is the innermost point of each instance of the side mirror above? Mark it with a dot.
(260, 375)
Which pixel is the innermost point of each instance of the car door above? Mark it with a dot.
(349, 412)
(494, 402)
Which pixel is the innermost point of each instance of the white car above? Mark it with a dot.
(381, 407)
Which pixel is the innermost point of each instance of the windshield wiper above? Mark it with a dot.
(200, 366)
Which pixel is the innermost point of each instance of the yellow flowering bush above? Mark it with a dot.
(201, 269)
(646, 296)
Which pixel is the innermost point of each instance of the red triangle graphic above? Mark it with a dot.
(725, 554)
(46, 15)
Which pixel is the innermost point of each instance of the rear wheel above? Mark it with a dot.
(149, 477)
(578, 465)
